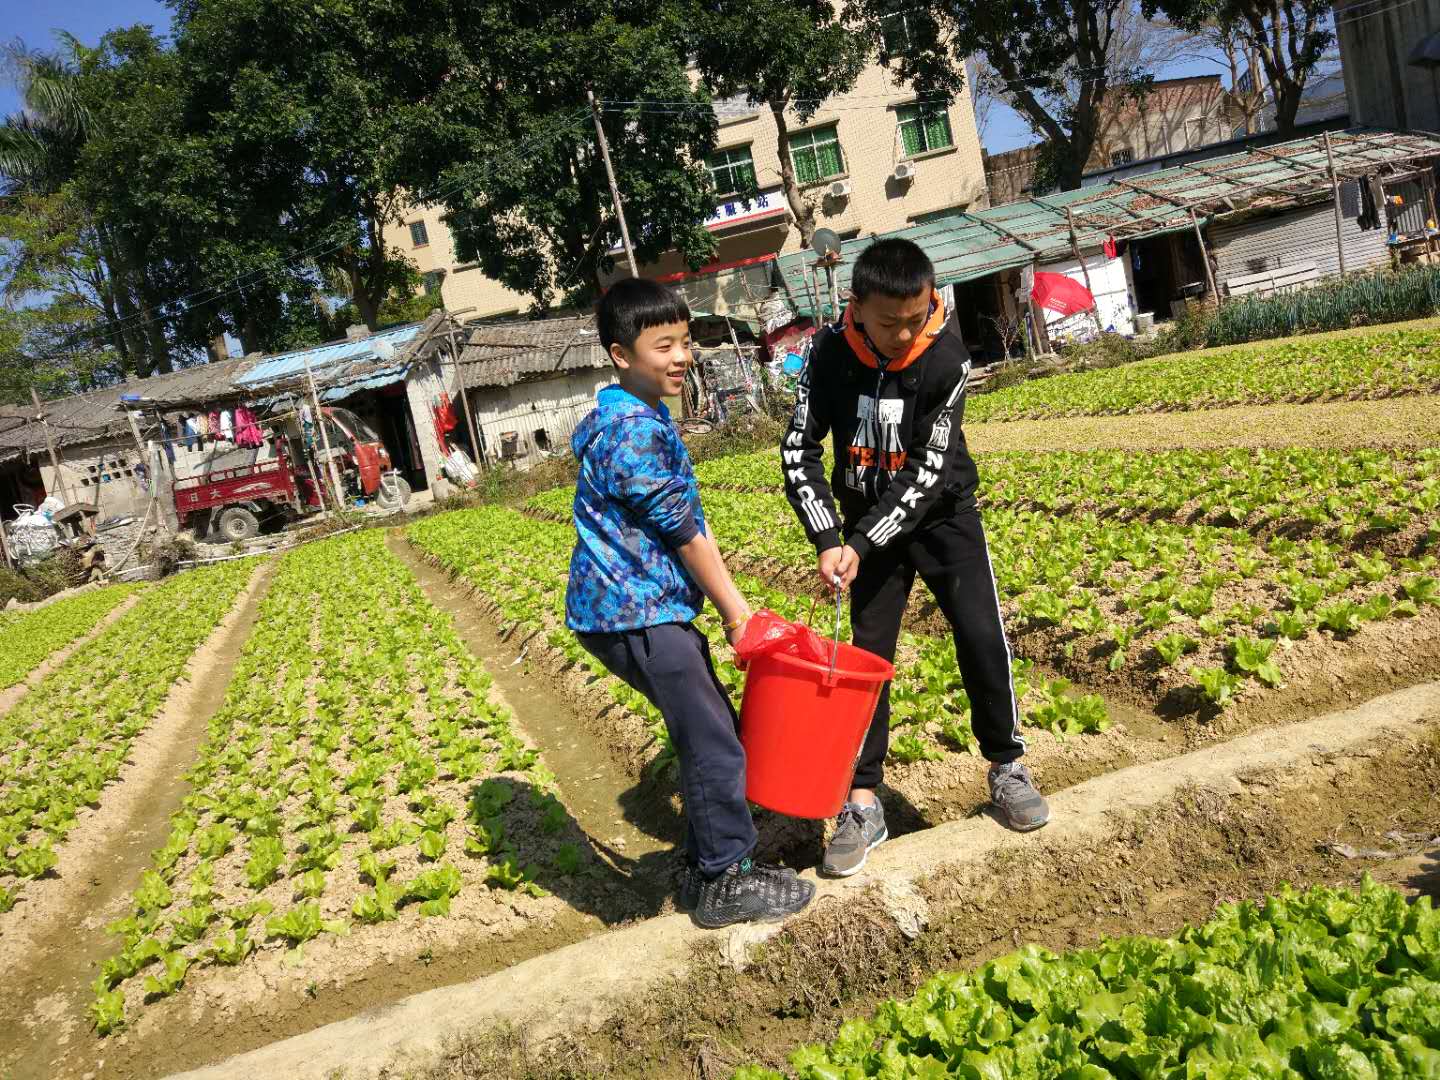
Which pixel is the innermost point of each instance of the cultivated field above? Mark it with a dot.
(259, 797)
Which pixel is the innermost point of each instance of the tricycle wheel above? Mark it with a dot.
(237, 524)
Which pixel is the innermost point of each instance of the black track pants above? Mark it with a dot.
(949, 553)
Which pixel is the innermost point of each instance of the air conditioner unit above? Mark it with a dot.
(839, 189)
(905, 170)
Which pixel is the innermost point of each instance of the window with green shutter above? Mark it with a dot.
(816, 154)
(924, 127)
(732, 170)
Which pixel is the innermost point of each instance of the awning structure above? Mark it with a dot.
(969, 246)
(339, 364)
(340, 368)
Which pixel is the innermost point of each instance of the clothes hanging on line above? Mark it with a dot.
(247, 429)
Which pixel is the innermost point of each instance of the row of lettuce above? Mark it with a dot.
(29, 638)
(356, 773)
(1375, 365)
(63, 742)
(1326, 984)
(519, 563)
(1191, 572)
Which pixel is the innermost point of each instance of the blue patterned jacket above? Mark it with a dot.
(636, 501)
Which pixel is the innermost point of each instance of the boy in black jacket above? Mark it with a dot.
(889, 382)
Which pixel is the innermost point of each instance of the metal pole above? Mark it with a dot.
(330, 469)
(1204, 258)
(815, 293)
(465, 398)
(50, 443)
(834, 287)
(610, 176)
(1335, 192)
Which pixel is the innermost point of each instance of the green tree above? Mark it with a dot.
(1060, 63)
(1288, 37)
(786, 57)
(513, 158)
(52, 288)
(317, 109)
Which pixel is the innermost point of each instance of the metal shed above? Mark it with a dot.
(530, 383)
(1256, 181)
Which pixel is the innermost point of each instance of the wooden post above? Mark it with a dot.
(455, 351)
(745, 364)
(330, 469)
(1335, 193)
(1427, 185)
(50, 444)
(614, 191)
(1084, 269)
(1204, 258)
(163, 489)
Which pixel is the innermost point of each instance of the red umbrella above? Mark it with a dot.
(1060, 293)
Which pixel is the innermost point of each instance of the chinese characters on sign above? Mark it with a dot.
(732, 211)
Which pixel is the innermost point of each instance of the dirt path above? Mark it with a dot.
(635, 835)
(50, 949)
(1105, 831)
(1392, 422)
(11, 696)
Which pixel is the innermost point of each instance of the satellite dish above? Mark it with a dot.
(825, 242)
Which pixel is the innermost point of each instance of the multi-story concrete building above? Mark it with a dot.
(1391, 53)
(425, 239)
(870, 161)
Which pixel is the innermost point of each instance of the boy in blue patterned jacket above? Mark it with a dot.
(643, 566)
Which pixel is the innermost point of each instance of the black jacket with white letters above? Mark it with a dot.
(900, 454)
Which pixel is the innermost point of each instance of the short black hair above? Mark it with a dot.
(632, 306)
(893, 267)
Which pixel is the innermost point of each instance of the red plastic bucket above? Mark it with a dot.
(803, 728)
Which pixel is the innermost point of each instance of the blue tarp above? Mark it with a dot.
(328, 362)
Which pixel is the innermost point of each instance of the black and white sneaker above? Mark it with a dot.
(746, 892)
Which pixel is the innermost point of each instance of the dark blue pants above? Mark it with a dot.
(671, 666)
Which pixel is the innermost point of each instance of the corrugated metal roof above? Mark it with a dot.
(93, 416)
(88, 417)
(328, 362)
(502, 354)
(374, 381)
(969, 246)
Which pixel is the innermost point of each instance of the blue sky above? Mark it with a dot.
(34, 22)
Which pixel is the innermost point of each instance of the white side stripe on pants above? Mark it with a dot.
(1009, 659)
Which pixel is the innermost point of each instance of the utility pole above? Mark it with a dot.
(50, 444)
(330, 469)
(610, 176)
(1335, 192)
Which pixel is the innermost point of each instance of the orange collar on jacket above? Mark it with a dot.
(860, 342)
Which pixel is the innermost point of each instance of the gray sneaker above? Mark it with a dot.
(1015, 798)
(858, 830)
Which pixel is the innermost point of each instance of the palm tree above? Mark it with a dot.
(40, 145)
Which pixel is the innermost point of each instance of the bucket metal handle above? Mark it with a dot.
(835, 642)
